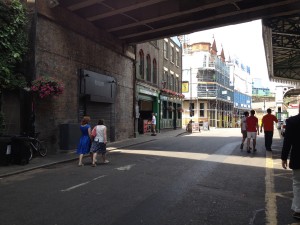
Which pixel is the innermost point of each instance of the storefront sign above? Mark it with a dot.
(148, 92)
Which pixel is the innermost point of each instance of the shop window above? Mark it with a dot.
(191, 108)
(179, 111)
(165, 110)
(170, 110)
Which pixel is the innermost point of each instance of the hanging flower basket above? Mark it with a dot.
(180, 109)
(172, 93)
(170, 108)
(47, 87)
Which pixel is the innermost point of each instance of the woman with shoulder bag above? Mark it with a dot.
(99, 143)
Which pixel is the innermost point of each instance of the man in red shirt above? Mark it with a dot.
(268, 125)
(252, 129)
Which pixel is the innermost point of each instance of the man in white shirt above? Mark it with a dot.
(153, 124)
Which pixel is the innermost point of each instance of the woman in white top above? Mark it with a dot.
(244, 129)
(99, 142)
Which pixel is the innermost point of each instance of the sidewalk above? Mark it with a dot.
(65, 156)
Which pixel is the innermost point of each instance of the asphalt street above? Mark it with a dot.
(200, 179)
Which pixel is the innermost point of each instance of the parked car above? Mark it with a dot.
(283, 124)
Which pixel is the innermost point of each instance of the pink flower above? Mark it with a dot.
(47, 86)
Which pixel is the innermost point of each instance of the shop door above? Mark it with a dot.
(98, 110)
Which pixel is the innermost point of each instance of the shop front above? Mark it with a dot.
(147, 103)
(170, 112)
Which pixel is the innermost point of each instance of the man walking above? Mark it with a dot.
(291, 146)
(244, 129)
(252, 130)
(153, 124)
(268, 125)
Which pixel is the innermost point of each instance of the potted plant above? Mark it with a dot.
(170, 108)
(46, 86)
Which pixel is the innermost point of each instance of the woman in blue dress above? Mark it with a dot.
(85, 139)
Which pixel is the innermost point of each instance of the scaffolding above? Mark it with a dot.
(213, 87)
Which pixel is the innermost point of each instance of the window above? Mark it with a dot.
(176, 85)
(165, 110)
(154, 43)
(204, 60)
(148, 69)
(166, 50)
(172, 54)
(179, 112)
(154, 72)
(177, 58)
(172, 86)
(170, 112)
(141, 65)
(165, 80)
(201, 109)
(191, 108)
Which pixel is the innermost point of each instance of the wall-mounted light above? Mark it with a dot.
(52, 3)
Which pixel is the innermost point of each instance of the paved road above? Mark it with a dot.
(197, 179)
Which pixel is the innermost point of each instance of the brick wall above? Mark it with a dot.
(61, 49)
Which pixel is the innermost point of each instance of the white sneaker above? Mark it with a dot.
(106, 161)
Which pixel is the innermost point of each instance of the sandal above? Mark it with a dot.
(80, 164)
(94, 165)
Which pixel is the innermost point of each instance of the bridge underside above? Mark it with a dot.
(282, 45)
(135, 21)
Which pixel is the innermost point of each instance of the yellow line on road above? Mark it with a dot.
(270, 197)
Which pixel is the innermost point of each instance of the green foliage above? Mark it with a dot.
(13, 43)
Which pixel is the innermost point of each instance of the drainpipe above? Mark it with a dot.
(135, 99)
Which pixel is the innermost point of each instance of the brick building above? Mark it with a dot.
(96, 69)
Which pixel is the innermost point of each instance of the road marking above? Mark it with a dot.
(270, 197)
(123, 168)
(82, 184)
(254, 215)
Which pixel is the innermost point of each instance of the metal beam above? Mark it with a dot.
(173, 15)
(211, 18)
(124, 10)
(84, 4)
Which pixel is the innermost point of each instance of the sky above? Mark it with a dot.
(243, 41)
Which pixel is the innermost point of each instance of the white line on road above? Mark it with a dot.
(82, 184)
(128, 167)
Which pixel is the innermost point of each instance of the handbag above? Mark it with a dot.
(94, 132)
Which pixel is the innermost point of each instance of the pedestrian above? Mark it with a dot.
(244, 129)
(99, 142)
(85, 139)
(153, 124)
(291, 146)
(252, 130)
(268, 125)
